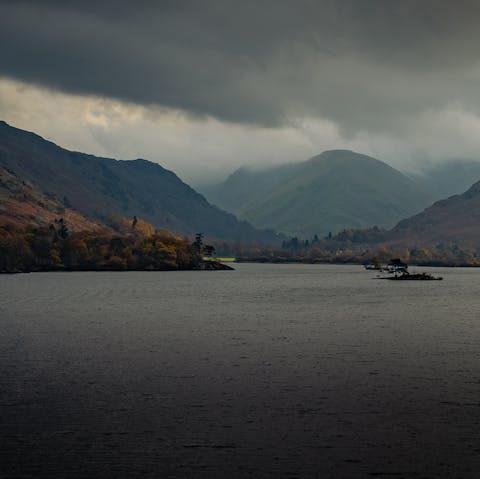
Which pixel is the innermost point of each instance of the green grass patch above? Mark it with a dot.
(222, 260)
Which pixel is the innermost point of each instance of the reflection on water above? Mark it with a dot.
(266, 371)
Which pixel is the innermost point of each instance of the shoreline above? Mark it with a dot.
(432, 264)
(204, 266)
(223, 267)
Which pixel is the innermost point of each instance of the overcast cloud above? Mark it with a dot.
(205, 86)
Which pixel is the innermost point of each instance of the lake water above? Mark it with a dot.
(266, 371)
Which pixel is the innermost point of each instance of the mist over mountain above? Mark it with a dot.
(447, 178)
(102, 187)
(334, 190)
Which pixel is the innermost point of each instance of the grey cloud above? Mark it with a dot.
(366, 65)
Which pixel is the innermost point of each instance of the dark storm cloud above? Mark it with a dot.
(366, 64)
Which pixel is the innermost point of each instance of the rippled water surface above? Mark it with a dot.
(266, 371)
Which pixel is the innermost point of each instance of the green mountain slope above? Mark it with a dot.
(244, 186)
(102, 187)
(334, 190)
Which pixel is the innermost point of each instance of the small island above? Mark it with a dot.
(397, 270)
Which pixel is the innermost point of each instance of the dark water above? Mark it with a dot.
(267, 371)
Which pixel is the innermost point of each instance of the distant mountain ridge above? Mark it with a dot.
(100, 187)
(334, 190)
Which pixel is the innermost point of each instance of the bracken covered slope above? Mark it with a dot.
(23, 204)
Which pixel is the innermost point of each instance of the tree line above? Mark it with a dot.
(352, 246)
(54, 248)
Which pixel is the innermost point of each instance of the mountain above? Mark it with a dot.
(101, 187)
(455, 220)
(335, 190)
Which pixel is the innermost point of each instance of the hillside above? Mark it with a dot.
(102, 187)
(22, 204)
(452, 221)
(335, 190)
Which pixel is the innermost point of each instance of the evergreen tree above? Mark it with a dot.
(63, 231)
(198, 244)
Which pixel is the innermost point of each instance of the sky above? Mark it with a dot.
(204, 87)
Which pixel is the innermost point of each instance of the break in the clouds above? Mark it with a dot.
(273, 78)
(206, 150)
